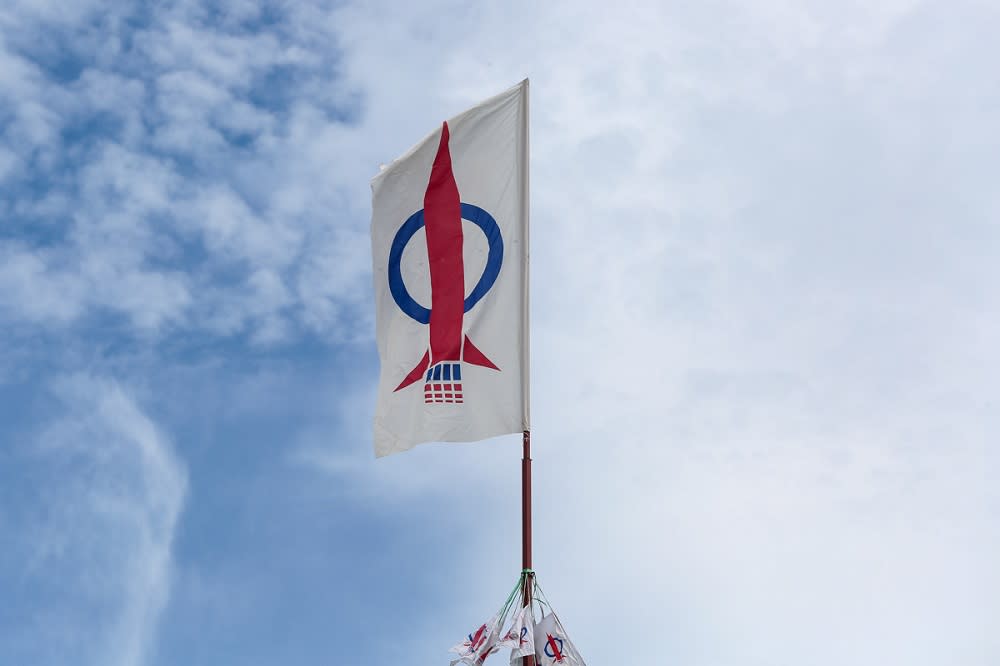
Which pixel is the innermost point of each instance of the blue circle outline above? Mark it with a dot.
(413, 224)
(547, 646)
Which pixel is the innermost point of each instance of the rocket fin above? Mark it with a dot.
(471, 354)
(417, 373)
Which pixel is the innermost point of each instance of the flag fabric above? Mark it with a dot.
(450, 263)
(552, 646)
(478, 644)
(520, 637)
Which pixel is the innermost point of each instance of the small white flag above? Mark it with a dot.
(552, 646)
(450, 265)
(520, 637)
(478, 644)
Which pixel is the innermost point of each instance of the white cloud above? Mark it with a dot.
(203, 156)
(53, 296)
(99, 550)
(764, 278)
(760, 342)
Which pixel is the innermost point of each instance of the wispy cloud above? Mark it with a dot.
(170, 167)
(93, 552)
(764, 326)
(759, 336)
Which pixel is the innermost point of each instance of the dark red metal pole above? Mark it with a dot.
(529, 575)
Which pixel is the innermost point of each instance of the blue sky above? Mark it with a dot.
(764, 245)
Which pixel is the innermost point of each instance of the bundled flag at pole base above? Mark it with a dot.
(479, 644)
(546, 639)
(553, 646)
(520, 637)
(450, 264)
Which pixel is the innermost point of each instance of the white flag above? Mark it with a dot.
(478, 644)
(520, 637)
(450, 262)
(552, 646)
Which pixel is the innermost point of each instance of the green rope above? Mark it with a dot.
(510, 598)
(539, 596)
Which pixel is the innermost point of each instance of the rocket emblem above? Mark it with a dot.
(475, 642)
(554, 647)
(441, 218)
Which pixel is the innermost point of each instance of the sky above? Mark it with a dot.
(764, 333)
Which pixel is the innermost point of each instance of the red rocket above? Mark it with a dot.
(449, 346)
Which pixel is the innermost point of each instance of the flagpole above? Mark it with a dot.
(529, 575)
